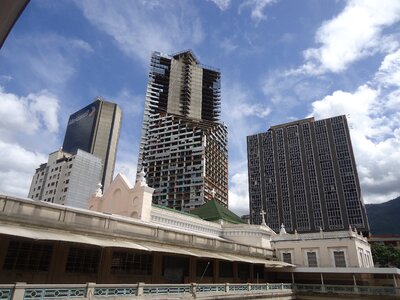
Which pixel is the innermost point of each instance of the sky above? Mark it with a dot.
(280, 60)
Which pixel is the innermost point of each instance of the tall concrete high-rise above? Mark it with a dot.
(303, 174)
(67, 179)
(95, 129)
(183, 149)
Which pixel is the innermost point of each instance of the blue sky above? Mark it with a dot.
(280, 60)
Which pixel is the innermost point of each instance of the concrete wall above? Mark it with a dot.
(356, 249)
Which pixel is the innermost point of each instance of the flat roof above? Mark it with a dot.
(393, 271)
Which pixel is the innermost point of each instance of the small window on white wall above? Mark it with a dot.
(340, 259)
(287, 257)
(312, 259)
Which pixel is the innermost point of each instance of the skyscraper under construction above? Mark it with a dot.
(183, 149)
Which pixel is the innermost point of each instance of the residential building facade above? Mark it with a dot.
(67, 179)
(303, 175)
(183, 148)
(95, 129)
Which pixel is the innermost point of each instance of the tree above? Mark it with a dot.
(386, 256)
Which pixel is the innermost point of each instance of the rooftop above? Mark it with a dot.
(214, 211)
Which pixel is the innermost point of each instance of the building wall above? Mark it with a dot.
(185, 161)
(357, 251)
(303, 174)
(106, 139)
(83, 180)
(67, 179)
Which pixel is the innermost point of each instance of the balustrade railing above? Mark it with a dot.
(94, 291)
(5, 293)
(347, 289)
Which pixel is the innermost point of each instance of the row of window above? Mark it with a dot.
(28, 256)
(339, 258)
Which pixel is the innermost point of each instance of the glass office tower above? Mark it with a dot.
(95, 129)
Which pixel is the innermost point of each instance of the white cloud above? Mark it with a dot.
(28, 114)
(362, 107)
(243, 110)
(257, 8)
(239, 111)
(228, 45)
(353, 34)
(222, 4)
(17, 166)
(132, 25)
(24, 119)
(389, 71)
(288, 92)
(239, 194)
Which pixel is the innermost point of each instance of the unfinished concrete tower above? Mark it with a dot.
(183, 149)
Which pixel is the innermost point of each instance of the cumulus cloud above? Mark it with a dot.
(222, 4)
(239, 111)
(28, 114)
(257, 8)
(17, 166)
(374, 121)
(131, 24)
(389, 71)
(239, 194)
(23, 119)
(355, 33)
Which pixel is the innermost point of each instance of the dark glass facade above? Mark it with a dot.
(81, 128)
(304, 175)
(95, 129)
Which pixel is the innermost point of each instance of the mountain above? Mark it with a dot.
(384, 218)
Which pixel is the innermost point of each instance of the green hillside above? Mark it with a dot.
(384, 218)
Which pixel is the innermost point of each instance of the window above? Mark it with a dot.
(131, 263)
(340, 259)
(312, 259)
(27, 256)
(225, 269)
(258, 271)
(243, 271)
(175, 264)
(83, 260)
(204, 268)
(287, 257)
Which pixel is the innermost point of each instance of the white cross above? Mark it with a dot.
(263, 213)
